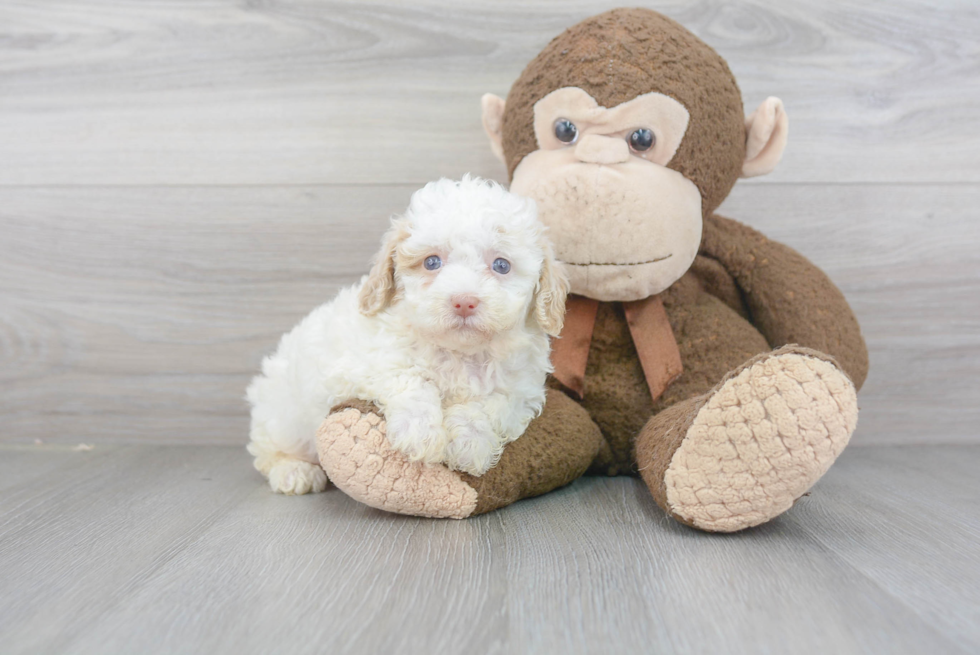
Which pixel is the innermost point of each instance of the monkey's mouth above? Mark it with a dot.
(649, 261)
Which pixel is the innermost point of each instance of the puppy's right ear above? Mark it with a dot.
(549, 298)
(379, 288)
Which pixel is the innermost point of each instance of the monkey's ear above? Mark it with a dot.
(766, 130)
(379, 288)
(550, 294)
(493, 122)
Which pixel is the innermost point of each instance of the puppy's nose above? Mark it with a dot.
(464, 305)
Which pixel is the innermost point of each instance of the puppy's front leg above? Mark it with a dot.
(478, 432)
(415, 421)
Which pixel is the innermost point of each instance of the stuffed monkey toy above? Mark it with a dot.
(719, 366)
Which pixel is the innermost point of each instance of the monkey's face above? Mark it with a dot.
(625, 225)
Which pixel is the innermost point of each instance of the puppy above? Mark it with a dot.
(448, 334)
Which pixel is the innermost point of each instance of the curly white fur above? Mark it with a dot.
(454, 389)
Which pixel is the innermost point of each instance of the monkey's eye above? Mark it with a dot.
(432, 262)
(501, 265)
(642, 139)
(565, 130)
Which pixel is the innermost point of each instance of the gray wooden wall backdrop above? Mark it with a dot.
(181, 181)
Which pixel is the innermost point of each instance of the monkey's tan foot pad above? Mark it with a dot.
(356, 455)
(761, 441)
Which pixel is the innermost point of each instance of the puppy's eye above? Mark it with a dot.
(565, 130)
(432, 263)
(501, 265)
(642, 139)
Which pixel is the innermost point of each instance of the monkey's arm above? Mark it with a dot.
(790, 299)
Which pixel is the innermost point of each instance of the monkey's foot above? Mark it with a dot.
(357, 457)
(746, 451)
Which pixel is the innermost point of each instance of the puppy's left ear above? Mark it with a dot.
(549, 296)
(379, 288)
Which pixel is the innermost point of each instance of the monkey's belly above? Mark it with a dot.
(713, 340)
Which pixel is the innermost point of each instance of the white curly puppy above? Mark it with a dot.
(448, 334)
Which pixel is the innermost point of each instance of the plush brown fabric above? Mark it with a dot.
(363, 406)
(714, 279)
(659, 440)
(557, 448)
(790, 300)
(621, 54)
(617, 397)
(712, 338)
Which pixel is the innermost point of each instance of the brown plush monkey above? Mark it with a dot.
(720, 366)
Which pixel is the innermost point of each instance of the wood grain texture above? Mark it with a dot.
(142, 313)
(184, 549)
(122, 513)
(291, 92)
(139, 314)
(879, 515)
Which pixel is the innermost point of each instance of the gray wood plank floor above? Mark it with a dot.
(165, 549)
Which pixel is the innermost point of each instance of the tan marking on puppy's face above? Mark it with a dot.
(625, 225)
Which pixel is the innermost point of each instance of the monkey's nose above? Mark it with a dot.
(598, 149)
(464, 305)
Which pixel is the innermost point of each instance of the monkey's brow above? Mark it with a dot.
(650, 261)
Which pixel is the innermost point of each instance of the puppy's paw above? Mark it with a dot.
(417, 432)
(295, 477)
(473, 447)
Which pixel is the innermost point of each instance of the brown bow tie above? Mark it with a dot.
(654, 341)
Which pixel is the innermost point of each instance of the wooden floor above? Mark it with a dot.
(180, 549)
